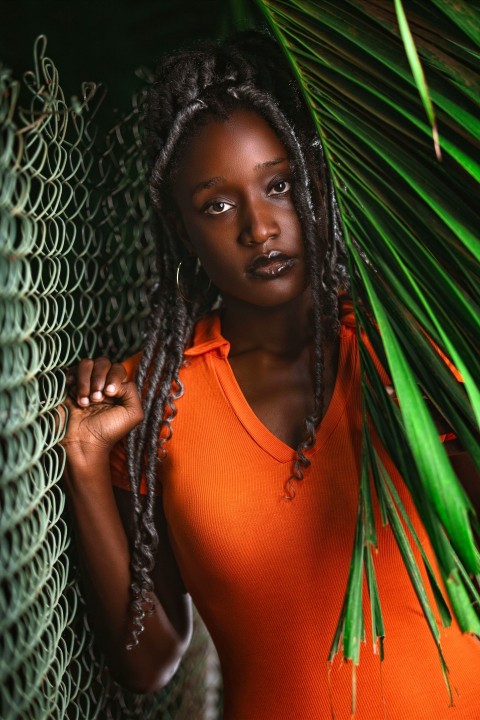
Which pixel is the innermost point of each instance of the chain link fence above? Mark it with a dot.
(76, 264)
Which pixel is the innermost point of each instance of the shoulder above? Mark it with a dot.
(348, 320)
(207, 338)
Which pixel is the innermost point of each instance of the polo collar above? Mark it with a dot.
(208, 337)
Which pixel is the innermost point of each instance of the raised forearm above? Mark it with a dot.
(105, 559)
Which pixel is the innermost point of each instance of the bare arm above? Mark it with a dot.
(103, 539)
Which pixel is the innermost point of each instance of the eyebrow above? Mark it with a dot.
(219, 178)
(271, 163)
(207, 183)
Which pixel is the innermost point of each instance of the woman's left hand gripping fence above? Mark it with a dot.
(75, 263)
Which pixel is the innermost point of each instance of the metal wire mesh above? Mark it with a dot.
(75, 267)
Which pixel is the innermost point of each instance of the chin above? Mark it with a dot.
(269, 295)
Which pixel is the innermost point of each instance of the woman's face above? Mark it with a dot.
(233, 189)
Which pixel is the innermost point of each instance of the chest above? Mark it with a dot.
(225, 473)
(226, 509)
(280, 391)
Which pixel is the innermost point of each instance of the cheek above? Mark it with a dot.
(223, 266)
(216, 247)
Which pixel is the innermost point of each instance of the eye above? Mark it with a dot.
(280, 187)
(217, 208)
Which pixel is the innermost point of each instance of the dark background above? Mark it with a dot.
(107, 40)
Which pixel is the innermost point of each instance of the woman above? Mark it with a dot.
(244, 447)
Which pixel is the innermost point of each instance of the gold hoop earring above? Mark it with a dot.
(198, 267)
(179, 290)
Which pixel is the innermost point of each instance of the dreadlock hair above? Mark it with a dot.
(191, 88)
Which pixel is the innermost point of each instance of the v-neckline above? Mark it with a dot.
(259, 432)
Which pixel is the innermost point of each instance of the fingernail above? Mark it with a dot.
(97, 395)
(110, 388)
(84, 401)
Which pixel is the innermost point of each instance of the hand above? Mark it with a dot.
(102, 407)
(447, 436)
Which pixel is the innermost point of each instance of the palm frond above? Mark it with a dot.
(393, 88)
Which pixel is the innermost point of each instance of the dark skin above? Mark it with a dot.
(233, 206)
(233, 192)
(105, 408)
(267, 322)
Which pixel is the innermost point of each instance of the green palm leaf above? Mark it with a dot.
(393, 88)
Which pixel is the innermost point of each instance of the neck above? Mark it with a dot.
(282, 330)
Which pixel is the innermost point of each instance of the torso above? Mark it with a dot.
(279, 389)
(269, 575)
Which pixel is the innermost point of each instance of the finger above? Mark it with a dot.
(70, 375)
(128, 394)
(391, 392)
(441, 424)
(62, 411)
(63, 414)
(115, 378)
(100, 370)
(84, 375)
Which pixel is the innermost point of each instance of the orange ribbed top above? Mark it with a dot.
(268, 576)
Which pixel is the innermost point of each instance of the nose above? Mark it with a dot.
(259, 223)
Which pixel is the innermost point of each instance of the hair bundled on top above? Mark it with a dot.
(190, 88)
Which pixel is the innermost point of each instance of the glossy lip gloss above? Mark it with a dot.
(271, 266)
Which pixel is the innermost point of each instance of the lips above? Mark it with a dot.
(270, 265)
